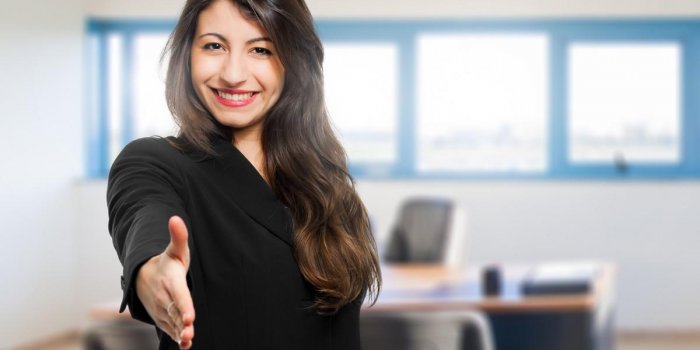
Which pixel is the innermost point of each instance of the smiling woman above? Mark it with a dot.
(248, 221)
(236, 72)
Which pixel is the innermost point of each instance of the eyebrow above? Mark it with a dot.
(223, 38)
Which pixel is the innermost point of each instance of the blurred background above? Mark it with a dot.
(564, 131)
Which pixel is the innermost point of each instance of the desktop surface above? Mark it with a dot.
(556, 321)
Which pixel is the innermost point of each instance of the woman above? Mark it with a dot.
(246, 228)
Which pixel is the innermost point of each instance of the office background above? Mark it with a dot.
(56, 256)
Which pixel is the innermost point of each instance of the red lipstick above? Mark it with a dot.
(234, 97)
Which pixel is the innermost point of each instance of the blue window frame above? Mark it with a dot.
(111, 73)
(402, 36)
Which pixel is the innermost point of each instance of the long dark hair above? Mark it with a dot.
(304, 161)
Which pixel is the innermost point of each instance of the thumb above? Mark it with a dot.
(178, 248)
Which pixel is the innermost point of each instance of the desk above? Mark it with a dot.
(553, 322)
(556, 322)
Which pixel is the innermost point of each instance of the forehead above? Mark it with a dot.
(224, 17)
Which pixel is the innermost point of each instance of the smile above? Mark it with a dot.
(234, 98)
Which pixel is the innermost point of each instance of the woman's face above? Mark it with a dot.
(235, 69)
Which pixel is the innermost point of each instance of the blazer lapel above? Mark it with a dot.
(251, 192)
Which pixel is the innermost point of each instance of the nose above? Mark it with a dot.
(235, 70)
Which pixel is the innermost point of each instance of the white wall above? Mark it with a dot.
(502, 8)
(56, 258)
(649, 229)
(41, 140)
(97, 278)
(434, 8)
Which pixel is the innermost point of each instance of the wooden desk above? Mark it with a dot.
(553, 322)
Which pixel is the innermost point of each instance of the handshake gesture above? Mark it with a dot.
(161, 285)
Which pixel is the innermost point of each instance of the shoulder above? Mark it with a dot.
(157, 147)
(151, 156)
(164, 149)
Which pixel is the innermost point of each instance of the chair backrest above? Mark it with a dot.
(120, 334)
(453, 330)
(421, 231)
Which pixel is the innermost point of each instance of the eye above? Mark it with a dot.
(213, 46)
(261, 51)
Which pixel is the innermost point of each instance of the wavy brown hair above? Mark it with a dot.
(304, 161)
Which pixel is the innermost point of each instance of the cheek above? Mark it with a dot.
(274, 76)
(202, 70)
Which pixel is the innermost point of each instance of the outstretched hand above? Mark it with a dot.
(161, 285)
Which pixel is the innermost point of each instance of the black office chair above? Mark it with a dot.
(120, 335)
(421, 232)
(445, 330)
(427, 230)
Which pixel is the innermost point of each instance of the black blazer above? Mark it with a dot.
(247, 289)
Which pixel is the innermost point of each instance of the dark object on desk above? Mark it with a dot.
(421, 232)
(446, 330)
(491, 280)
(559, 279)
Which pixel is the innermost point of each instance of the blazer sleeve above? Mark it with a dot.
(144, 189)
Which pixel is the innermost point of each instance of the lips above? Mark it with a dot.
(234, 98)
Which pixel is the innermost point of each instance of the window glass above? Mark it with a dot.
(624, 102)
(482, 103)
(151, 114)
(418, 100)
(361, 95)
(115, 102)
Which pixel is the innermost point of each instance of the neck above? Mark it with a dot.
(251, 148)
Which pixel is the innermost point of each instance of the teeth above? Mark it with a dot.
(235, 97)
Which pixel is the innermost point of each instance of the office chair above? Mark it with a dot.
(432, 231)
(445, 330)
(120, 335)
(428, 230)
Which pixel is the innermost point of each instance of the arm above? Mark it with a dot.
(145, 190)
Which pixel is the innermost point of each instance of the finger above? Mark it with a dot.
(174, 316)
(178, 248)
(167, 327)
(182, 313)
(183, 310)
(185, 344)
(187, 334)
(186, 338)
(166, 320)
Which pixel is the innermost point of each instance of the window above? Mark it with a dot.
(501, 99)
(115, 75)
(483, 103)
(624, 103)
(125, 87)
(151, 114)
(361, 94)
